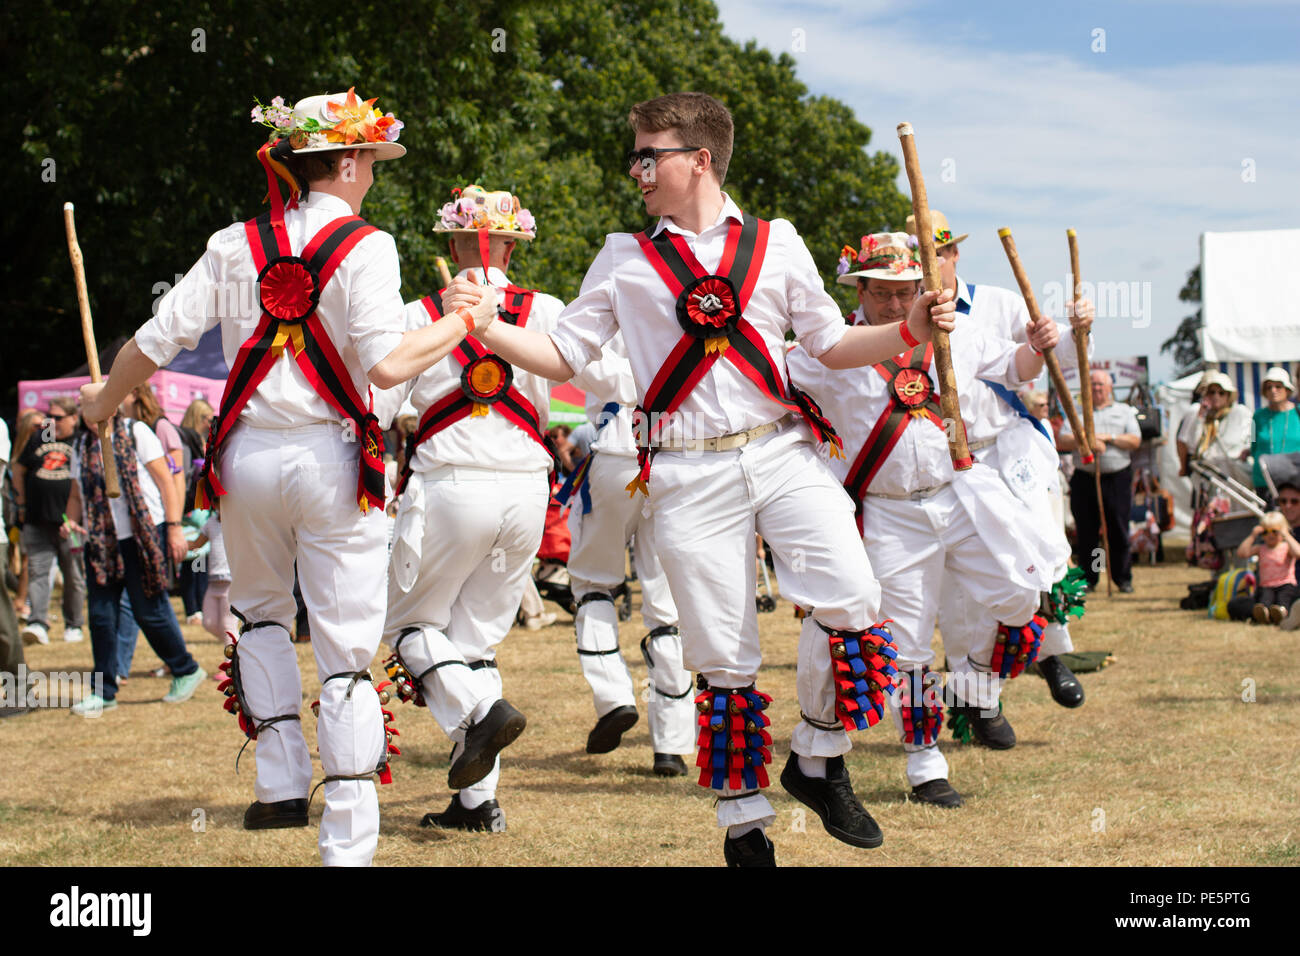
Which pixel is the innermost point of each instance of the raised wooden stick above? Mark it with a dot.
(443, 274)
(949, 401)
(1053, 366)
(111, 486)
(1085, 397)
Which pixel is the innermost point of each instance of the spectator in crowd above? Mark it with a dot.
(1220, 435)
(43, 481)
(11, 645)
(1288, 502)
(128, 541)
(218, 620)
(1276, 548)
(28, 421)
(1117, 437)
(1277, 424)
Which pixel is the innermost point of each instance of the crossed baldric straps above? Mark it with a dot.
(486, 382)
(710, 310)
(911, 396)
(289, 288)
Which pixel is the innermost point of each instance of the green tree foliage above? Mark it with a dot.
(1185, 343)
(144, 115)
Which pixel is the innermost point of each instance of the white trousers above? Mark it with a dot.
(474, 532)
(292, 496)
(921, 547)
(596, 560)
(707, 508)
(961, 618)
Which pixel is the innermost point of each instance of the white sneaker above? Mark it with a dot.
(92, 705)
(72, 634)
(195, 618)
(35, 633)
(545, 620)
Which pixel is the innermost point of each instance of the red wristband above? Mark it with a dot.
(908, 339)
(468, 318)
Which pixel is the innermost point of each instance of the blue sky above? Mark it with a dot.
(1180, 118)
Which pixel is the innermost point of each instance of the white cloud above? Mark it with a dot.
(1139, 161)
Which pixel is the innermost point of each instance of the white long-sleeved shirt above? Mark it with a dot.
(623, 292)
(491, 441)
(854, 399)
(360, 309)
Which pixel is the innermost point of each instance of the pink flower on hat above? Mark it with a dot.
(394, 129)
(526, 221)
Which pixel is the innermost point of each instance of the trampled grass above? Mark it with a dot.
(1165, 764)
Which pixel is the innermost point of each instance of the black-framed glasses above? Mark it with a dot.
(647, 156)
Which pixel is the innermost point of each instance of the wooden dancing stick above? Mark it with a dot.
(1085, 396)
(111, 486)
(1053, 366)
(949, 401)
(443, 274)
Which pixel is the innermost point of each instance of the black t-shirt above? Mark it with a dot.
(49, 479)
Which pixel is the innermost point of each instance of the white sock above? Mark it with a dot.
(812, 766)
(471, 800)
(740, 829)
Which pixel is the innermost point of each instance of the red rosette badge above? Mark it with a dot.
(707, 310)
(485, 381)
(288, 289)
(912, 387)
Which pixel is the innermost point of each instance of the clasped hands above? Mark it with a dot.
(479, 300)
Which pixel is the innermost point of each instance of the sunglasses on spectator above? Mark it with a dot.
(1213, 392)
(647, 156)
(1288, 501)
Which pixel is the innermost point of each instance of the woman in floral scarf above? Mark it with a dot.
(129, 546)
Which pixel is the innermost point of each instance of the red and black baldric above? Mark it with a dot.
(710, 310)
(289, 289)
(486, 382)
(911, 396)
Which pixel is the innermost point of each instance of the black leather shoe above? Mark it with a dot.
(609, 730)
(996, 733)
(486, 816)
(832, 799)
(938, 793)
(752, 849)
(669, 765)
(280, 815)
(1126, 587)
(20, 711)
(483, 741)
(1065, 687)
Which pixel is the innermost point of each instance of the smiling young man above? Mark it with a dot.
(704, 299)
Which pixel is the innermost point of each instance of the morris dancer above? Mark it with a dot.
(293, 456)
(603, 520)
(732, 443)
(1006, 437)
(923, 525)
(472, 505)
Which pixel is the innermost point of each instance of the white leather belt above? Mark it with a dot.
(982, 444)
(919, 495)
(723, 442)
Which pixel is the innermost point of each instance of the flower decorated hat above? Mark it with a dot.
(330, 122)
(882, 255)
(474, 209)
(942, 231)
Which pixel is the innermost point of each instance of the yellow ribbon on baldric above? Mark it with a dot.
(292, 333)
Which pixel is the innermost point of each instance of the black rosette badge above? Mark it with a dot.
(484, 381)
(707, 310)
(912, 388)
(289, 290)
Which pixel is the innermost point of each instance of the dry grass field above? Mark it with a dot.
(1166, 764)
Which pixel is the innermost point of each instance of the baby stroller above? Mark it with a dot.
(1223, 513)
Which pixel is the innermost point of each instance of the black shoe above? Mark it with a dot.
(996, 733)
(486, 816)
(1126, 587)
(938, 793)
(483, 741)
(280, 815)
(19, 711)
(669, 765)
(609, 730)
(1065, 687)
(752, 849)
(832, 799)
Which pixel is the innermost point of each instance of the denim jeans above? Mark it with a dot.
(154, 615)
(128, 635)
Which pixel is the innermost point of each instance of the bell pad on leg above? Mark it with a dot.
(1017, 647)
(862, 666)
(920, 707)
(733, 744)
